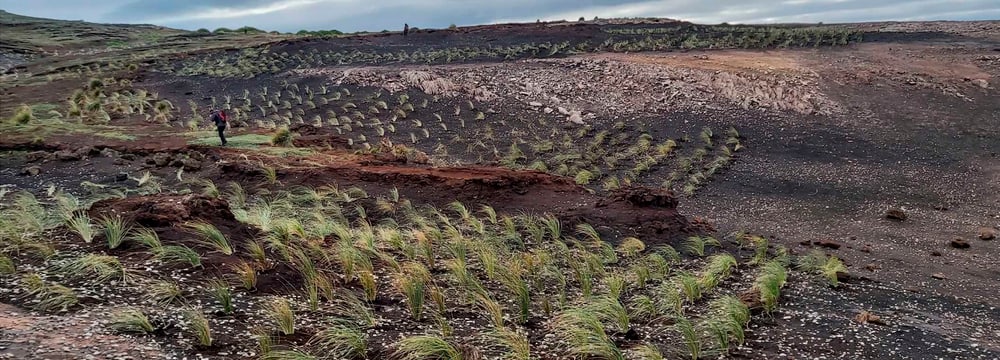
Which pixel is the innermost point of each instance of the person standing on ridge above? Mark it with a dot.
(406, 29)
(221, 124)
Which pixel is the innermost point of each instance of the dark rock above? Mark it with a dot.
(121, 177)
(935, 253)
(31, 171)
(960, 244)
(129, 157)
(85, 151)
(190, 164)
(159, 159)
(987, 233)
(829, 244)
(36, 156)
(895, 214)
(66, 155)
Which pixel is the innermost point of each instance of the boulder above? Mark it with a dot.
(981, 83)
(959, 244)
(575, 117)
(895, 214)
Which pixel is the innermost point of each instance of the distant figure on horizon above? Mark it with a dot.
(406, 29)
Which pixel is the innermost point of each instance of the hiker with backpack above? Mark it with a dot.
(221, 124)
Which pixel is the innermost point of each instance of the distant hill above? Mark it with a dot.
(31, 35)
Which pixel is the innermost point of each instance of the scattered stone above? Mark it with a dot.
(576, 118)
(981, 83)
(535, 104)
(190, 164)
(563, 111)
(895, 214)
(939, 276)
(987, 233)
(935, 253)
(66, 155)
(867, 317)
(121, 177)
(109, 152)
(547, 110)
(129, 157)
(866, 249)
(36, 156)
(31, 171)
(159, 159)
(829, 244)
(960, 244)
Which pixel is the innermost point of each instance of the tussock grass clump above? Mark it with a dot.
(177, 254)
(131, 321)
(340, 341)
(48, 297)
(690, 335)
(7, 266)
(198, 327)
(23, 116)
(116, 229)
(282, 137)
(719, 267)
(280, 312)
(646, 352)
(412, 281)
(148, 238)
(222, 294)
(99, 268)
(287, 355)
(582, 335)
(164, 292)
(769, 282)
(246, 274)
(81, 224)
(817, 262)
(696, 245)
(631, 247)
(212, 237)
(514, 343)
(421, 347)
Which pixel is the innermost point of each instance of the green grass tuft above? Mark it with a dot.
(131, 321)
(422, 347)
(340, 341)
(212, 237)
(116, 229)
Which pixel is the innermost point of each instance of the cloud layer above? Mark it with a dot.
(354, 15)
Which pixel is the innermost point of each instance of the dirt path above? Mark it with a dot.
(77, 336)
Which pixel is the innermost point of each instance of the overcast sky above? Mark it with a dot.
(354, 15)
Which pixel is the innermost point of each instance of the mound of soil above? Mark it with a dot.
(166, 210)
(648, 214)
(312, 136)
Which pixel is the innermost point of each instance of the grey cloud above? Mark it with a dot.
(352, 15)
